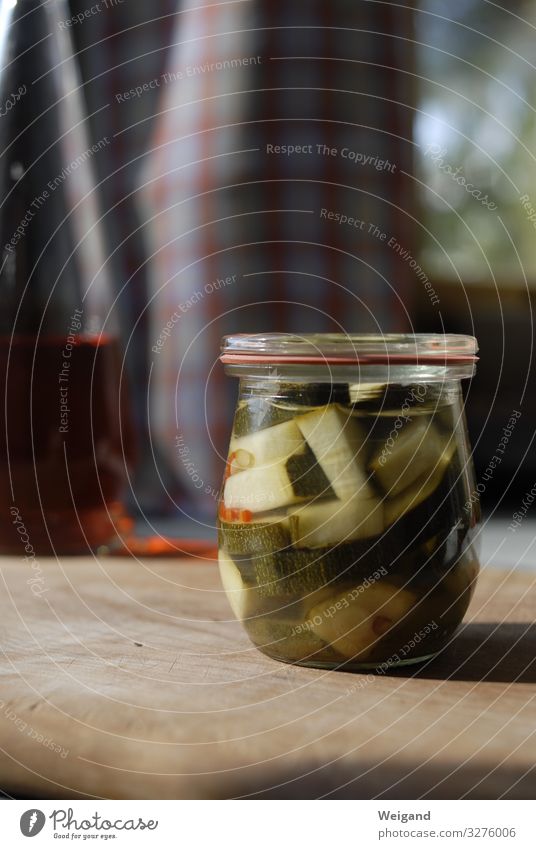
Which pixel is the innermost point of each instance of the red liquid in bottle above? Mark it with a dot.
(65, 445)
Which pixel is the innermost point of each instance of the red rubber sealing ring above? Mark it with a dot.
(375, 359)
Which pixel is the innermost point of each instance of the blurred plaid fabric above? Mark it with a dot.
(119, 48)
(333, 79)
(189, 158)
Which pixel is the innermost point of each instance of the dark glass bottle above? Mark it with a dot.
(65, 440)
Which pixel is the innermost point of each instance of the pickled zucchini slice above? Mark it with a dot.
(258, 413)
(290, 573)
(255, 414)
(259, 537)
(242, 419)
(302, 572)
(271, 445)
(330, 522)
(260, 489)
(275, 485)
(422, 488)
(355, 620)
(415, 452)
(307, 476)
(336, 439)
(243, 599)
(360, 392)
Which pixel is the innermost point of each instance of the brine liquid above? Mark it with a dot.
(346, 523)
(65, 442)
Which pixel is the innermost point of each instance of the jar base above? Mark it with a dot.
(354, 666)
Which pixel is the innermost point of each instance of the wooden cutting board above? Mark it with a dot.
(130, 679)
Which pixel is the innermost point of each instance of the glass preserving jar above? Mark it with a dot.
(348, 511)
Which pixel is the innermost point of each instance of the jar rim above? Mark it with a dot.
(346, 349)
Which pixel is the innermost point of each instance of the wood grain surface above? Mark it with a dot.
(129, 679)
